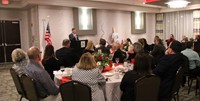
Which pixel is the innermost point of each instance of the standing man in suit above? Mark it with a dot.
(73, 38)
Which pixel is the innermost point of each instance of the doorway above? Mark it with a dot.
(9, 39)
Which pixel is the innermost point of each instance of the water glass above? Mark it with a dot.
(117, 60)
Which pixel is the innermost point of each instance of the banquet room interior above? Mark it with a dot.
(133, 19)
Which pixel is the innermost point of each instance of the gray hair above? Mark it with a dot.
(18, 55)
(137, 47)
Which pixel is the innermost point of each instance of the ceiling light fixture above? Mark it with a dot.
(5, 2)
(177, 3)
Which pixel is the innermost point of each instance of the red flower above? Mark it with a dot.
(99, 58)
(110, 63)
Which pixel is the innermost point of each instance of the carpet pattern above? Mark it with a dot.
(8, 91)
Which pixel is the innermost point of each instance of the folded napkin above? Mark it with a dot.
(65, 79)
(106, 69)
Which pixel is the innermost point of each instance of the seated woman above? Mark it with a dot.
(86, 71)
(89, 48)
(49, 61)
(118, 53)
(20, 59)
(131, 53)
(141, 67)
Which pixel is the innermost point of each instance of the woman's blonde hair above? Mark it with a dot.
(18, 55)
(86, 62)
(90, 45)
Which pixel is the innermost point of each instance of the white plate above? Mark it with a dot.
(108, 74)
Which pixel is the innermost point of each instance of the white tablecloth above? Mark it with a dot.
(112, 88)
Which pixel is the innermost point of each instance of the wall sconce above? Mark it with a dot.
(85, 18)
(85, 21)
(138, 22)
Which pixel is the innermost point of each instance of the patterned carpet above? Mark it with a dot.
(8, 91)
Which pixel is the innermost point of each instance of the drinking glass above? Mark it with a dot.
(117, 60)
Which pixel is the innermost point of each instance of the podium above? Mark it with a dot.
(81, 44)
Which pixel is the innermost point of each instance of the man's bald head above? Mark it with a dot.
(33, 52)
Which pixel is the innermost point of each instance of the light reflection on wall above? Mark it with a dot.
(139, 20)
(85, 18)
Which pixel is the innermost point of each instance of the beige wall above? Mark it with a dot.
(61, 22)
(33, 25)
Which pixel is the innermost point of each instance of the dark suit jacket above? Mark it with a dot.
(73, 40)
(166, 70)
(67, 56)
(158, 52)
(119, 54)
(103, 49)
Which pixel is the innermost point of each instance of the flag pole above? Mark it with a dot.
(43, 42)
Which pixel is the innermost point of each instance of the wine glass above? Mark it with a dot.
(62, 69)
(117, 60)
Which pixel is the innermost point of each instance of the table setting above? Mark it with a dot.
(112, 74)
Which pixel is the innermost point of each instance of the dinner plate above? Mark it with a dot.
(108, 74)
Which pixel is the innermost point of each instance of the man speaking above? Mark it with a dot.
(73, 38)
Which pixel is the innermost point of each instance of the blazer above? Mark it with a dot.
(166, 70)
(73, 40)
(67, 56)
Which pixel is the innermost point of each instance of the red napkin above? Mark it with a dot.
(132, 60)
(65, 79)
(106, 69)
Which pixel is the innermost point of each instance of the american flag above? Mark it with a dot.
(48, 35)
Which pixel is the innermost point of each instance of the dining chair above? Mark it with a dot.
(198, 80)
(17, 83)
(147, 88)
(177, 83)
(29, 87)
(75, 91)
(190, 76)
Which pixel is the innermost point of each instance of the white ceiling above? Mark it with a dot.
(127, 5)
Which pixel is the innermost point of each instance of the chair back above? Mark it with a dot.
(29, 88)
(147, 88)
(75, 91)
(177, 82)
(17, 82)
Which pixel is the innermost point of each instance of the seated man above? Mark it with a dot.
(47, 90)
(194, 60)
(66, 55)
(167, 68)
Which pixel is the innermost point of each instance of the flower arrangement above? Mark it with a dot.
(102, 59)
